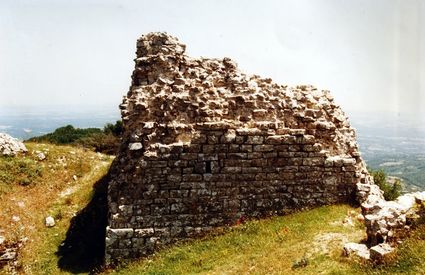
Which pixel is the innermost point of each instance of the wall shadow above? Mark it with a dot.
(84, 246)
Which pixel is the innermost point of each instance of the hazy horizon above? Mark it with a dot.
(370, 54)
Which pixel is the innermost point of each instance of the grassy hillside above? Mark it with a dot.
(58, 186)
(308, 242)
(305, 243)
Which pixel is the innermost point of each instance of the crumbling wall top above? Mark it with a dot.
(180, 92)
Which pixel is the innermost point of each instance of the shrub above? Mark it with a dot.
(66, 135)
(105, 141)
(21, 171)
(114, 129)
(391, 190)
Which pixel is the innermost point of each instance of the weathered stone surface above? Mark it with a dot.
(206, 145)
(387, 222)
(40, 155)
(359, 250)
(8, 255)
(381, 251)
(49, 221)
(10, 146)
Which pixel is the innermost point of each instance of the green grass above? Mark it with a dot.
(282, 245)
(16, 170)
(302, 243)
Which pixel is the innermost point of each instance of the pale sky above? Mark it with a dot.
(370, 54)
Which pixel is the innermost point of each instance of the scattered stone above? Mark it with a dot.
(359, 250)
(10, 146)
(16, 219)
(74, 177)
(2, 239)
(40, 155)
(322, 243)
(387, 222)
(348, 221)
(9, 254)
(50, 221)
(380, 252)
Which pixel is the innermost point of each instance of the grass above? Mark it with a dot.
(18, 171)
(52, 191)
(308, 242)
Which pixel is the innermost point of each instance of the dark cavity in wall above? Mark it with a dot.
(208, 167)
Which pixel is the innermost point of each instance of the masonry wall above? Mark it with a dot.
(221, 177)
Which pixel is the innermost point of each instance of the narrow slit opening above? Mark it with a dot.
(208, 167)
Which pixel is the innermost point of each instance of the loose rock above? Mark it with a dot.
(8, 255)
(50, 221)
(10, 146)
(359, 250)
(40, 155)
(380, 252)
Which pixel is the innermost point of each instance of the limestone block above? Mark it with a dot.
(380, 252)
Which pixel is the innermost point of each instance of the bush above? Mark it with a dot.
(391, 190)
(66, 135)
(23, 171)
(114, 129)
(105, 141)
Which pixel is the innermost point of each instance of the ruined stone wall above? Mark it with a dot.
(205, 146)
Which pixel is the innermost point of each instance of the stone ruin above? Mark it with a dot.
(387, 222)
(208, 146)
(10, 146)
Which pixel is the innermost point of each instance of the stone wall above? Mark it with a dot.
(206, 146)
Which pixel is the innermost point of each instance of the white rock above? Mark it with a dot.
(135, 146)
(16, 219)
(357, 249)
(50, 221)
(40, 155)
(74, 177)
(10, 146)
(2, 239)
(8, 255)
(380, 251)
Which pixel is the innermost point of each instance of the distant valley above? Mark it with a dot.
(395, 144)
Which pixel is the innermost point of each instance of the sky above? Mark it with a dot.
(370, 54)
